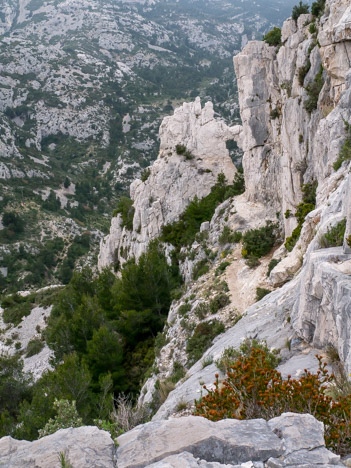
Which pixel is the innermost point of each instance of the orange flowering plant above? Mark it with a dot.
(253, 388)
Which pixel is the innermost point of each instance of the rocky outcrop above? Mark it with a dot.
(192, 442)
(174, 179)
(311, 310)
(81, 447)
(286, 146)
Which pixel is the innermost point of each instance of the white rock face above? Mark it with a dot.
(313, 304)
(174, 180)
(82, 447)
(286, 148)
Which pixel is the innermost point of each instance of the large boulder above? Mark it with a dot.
(82, 447)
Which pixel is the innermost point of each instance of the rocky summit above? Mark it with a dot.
(214, 327)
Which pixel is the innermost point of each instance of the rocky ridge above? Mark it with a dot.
(286, 145)
(174, 179)
(292, 440)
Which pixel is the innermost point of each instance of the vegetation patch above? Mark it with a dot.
(261, 293)
(229, 237)
(126, 209)
(259, 242)
(334, 237)
(345, 152)
(308, 204)
(317, 8)
(200, 269)
(183, 151)
(253, 388)
(300, 9)
(218, 302)
(202, 339)
(15, 308)
(313, 90)
(273, 37)
(34, 347)
(272, 264)
(183, 232)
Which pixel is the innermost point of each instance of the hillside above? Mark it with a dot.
(84, 87)
(223, 299)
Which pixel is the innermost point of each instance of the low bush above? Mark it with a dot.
(258, 242)
(200, 268)
(345, 152)
(184, 309)
(218, 302)
(313, 90)
(272, 264)
(231, 354)
(302, 72)
(202, 339)
(183, 232)
(229, 237)
(318, 7)
(253, 388)
(300, 9)
(34, 347)
(273, 37)
(15, 308)
(183, 151)
(334, 237)
(126, 209)
(274, 114)
(178, 372)
(67, 416)
(145, 175)
(261, 292)
(308, 204)
(221, 268)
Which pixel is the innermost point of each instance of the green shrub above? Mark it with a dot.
(313, 28)
(302, 72)
(126, 209)
(273, 263)
(345, 152)
(274, 114)
(252, 261)
(231, 354)
(313, 90)
(222, 267)
(334, 237)
(258, 242)
(202, 310)
(13, 222)
(202, 339)
(273, 37)
(180, 149)
(302, 210)
(15, 308)
(300, 9)
(200, 269)
(218, 302)
(253, 388)
(261, 292)
(184, 309)
(34, 346)
(145, 175)
(178, 372)
(183, 232)
(67, 416)
(229, 237)
(318, 7)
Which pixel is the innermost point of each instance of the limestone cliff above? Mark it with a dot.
(294, 103)
(174, 179)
